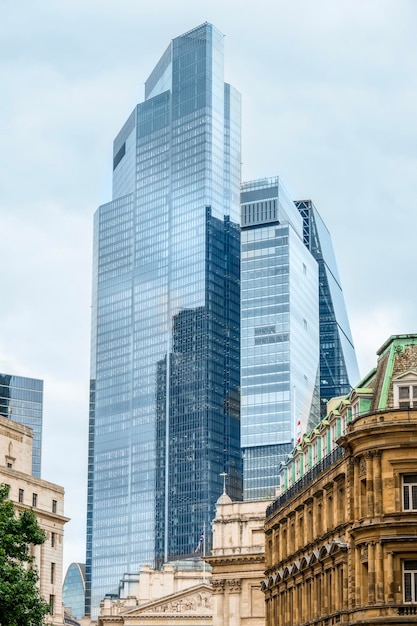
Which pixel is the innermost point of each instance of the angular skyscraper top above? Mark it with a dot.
(164, 414)
(21, 400)
(338, 365)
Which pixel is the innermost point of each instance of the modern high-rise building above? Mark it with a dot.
(338, 365)
(73, 590)
(21, 400)
(165, 411)
(297, 350)
(280, 333)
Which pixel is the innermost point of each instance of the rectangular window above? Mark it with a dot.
(34, 499)
(52, 573)
(54, 506)
(21, 493)
(51, 604)
(410, 581)
(405, 396)
(53, 538)
(355, 409)
(410, 492)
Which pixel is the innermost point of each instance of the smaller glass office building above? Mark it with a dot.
(279, 333)
(73, 590)
(21, 400)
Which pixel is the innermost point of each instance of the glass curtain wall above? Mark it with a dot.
(21, 400)
(338, 365)
(164, 415)
(279, 336)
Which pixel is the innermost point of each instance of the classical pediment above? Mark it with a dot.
(409, 375)
(195, 601)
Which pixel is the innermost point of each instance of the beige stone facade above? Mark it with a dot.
(47, 501)
(179, 594)
(238, 563)
(228, 593)
(341, 540)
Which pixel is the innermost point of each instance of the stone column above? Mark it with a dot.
(328, 493)
(315, 592)
(324, 512)
(390, 577)
(218, 602)
(379, 574)
(356, 490)
(369, 485)
(371, 573)
(338, 589)
(233, 617)
(377, 483)
(325, 593)
(357, 576)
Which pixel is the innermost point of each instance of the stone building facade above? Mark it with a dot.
(178, 594)
(228, 593)
(238, 562)
(47, 502)
(341, 539)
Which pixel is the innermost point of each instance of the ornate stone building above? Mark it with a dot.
(178, 594)
(47, 501)
(238, 562)
(341, 539)
(227, 594)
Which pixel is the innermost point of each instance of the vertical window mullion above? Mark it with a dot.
(407, 587)
(414, 497)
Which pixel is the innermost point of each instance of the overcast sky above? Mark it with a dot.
(329, 96)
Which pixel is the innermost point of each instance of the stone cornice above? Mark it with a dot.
(235, 559)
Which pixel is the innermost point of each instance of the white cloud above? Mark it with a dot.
(329, 101)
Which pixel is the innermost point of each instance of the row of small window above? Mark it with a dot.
(35, 500)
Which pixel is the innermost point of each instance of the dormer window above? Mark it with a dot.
(355, 409)
(405, 391)
(407, 396)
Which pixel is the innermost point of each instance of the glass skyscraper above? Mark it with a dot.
(280, 333)
(338, 365)
(165, 409)
(21, 400)
(73, 590)
(296, 350)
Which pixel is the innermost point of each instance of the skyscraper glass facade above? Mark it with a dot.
(21, 400)
(338, 365)
(280, 330)
(73, 590)
(164, 411)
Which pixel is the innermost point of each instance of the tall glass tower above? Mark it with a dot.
(165, 411)
(338, 365)
(280, 333)
(21, 400)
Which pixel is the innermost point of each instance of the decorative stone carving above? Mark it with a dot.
(217, 586)
(234, 585)
(195, 603)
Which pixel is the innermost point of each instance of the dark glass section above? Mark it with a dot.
(204, 404)
(21, 400)
(338, 365)
(119, 156)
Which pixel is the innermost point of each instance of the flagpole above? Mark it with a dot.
(204, 552)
